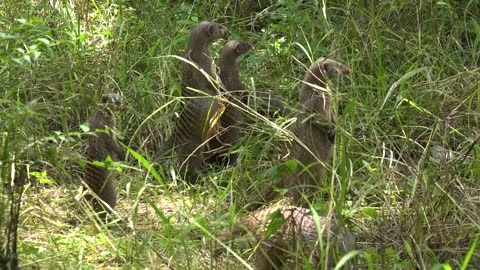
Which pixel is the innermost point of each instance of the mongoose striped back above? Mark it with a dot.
(229, 132)
(198, 122)
(198, 117)
(314, 128)
(100, 146)
(296, 237)
(198, 52)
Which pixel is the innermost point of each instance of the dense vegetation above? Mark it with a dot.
(406, 167)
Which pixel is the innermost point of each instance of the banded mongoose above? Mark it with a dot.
(314, 128)
(198, 52)
(295, 237)
(230, 77)
(200, 112)
(101, 145)
(228, 64)
(232, 118)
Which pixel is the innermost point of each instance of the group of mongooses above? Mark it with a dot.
(210, 124)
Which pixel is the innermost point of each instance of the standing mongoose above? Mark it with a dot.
(228, 64)
(294, 238)
(200, 112)
(198, 52)
(101, 145)
(314, 129)
(232, 118)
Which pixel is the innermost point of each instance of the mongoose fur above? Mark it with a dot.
(232, 118)
(200, 112)
(314, 128)
(198, 52)
(100, 146)
(295, 238)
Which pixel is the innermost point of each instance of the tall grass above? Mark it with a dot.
(406, 163)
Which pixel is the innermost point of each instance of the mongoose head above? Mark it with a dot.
(232, 50)
(236, 47)
(328, 68)
(316, 78)
(211, 31)
(113, 101)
